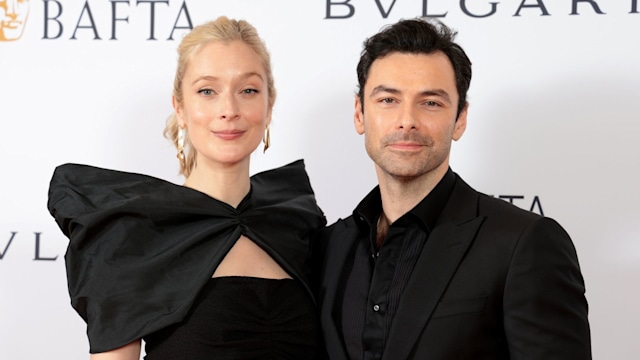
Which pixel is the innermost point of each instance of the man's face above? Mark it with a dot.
(409, 119)
(13, 17)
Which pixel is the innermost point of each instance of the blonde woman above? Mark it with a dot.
(214, 269)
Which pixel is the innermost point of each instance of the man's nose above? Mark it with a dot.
(408, 117)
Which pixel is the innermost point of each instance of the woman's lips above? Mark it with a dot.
(228, 134)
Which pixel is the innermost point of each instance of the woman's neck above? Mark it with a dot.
(227, 183)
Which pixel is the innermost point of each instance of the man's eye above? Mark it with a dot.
(431, 103)
(387, 100)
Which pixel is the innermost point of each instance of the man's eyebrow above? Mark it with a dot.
(384, 88)
(437, 92)
(431, 92)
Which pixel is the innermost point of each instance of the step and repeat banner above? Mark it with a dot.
(553, 127)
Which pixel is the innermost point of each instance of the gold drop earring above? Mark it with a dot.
(266, 139)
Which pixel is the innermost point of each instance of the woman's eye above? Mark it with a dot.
(250, 91)
(205, 92)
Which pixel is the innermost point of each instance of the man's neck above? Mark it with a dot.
(399, 196)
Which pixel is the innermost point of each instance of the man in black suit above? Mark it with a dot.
(427, 267)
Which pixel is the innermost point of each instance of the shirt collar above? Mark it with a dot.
(426, 211)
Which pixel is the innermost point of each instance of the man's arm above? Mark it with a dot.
(545, 311)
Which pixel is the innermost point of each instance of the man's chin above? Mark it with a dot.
(403, 173)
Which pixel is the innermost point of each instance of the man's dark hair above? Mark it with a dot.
(416, 36)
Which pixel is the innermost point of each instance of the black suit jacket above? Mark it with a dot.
(492, 282)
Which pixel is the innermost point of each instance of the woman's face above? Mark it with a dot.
(225, 106)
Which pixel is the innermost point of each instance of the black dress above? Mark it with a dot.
(242, 318)
(142, 251)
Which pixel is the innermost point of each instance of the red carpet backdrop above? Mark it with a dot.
(553, 127)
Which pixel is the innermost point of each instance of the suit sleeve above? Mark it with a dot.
(545, 310)
(318, 249)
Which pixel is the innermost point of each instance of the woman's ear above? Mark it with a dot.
(178, 110)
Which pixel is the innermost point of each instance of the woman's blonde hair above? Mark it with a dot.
(225, 30)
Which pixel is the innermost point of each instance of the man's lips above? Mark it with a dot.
(406, 146)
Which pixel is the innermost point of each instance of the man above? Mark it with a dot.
(426, 267)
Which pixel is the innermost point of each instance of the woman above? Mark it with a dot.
(217, 268)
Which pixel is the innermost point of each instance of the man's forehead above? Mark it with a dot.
(398, 69)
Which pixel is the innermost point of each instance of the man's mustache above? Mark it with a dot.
(400, 137)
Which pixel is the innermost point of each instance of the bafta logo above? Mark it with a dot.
(13, 18)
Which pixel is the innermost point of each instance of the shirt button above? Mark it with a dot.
(376, 307)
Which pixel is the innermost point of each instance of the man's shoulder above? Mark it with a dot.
(488, 205)
(508, 222)
(497, 213)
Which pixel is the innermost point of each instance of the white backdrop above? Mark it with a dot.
(553, 123)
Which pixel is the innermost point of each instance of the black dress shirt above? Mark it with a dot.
(373, 285)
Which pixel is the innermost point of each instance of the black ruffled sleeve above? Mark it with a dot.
(141, 248)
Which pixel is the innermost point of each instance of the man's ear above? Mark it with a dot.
(358, 116)
(461, 123)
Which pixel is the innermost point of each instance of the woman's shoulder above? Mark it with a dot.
(88, 176)
(292, 174)
(82, 191)
(281, 184)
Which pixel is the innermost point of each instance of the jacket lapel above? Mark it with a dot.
(440, 257)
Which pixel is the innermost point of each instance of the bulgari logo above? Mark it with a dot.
(95, 20)
(346, 9)
(37, 238)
